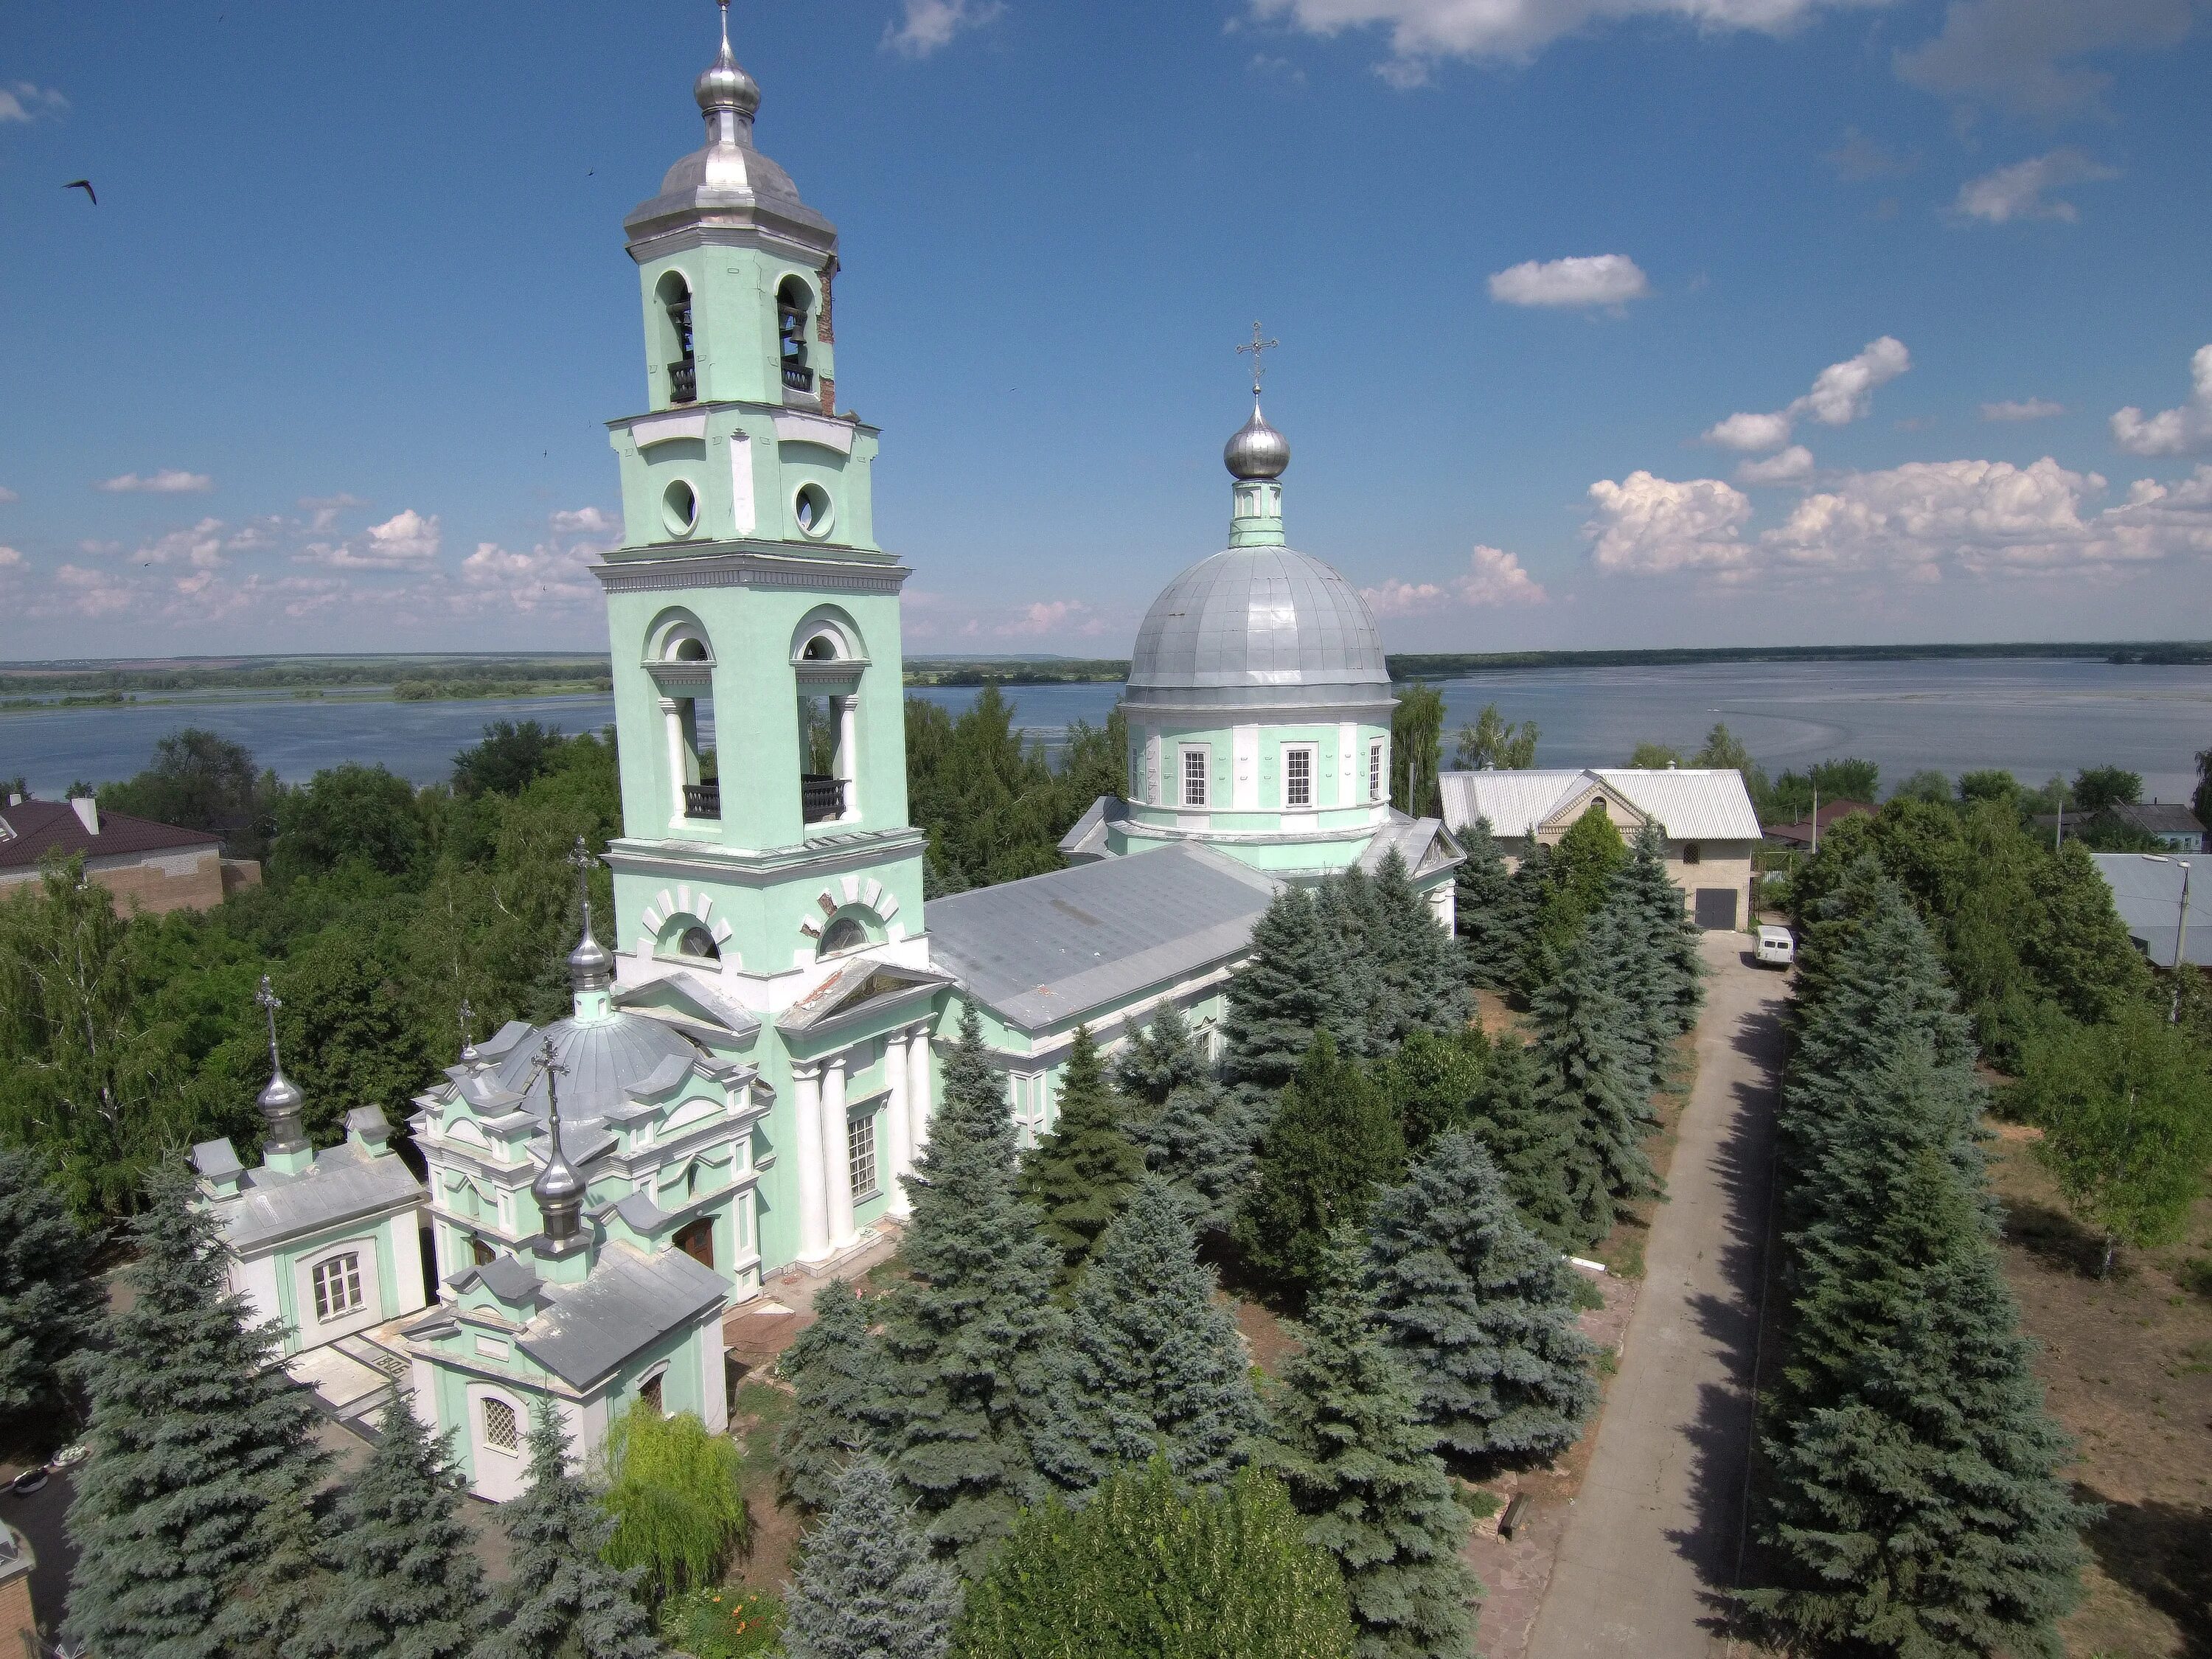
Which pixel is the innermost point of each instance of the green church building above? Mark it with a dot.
(748, 1070)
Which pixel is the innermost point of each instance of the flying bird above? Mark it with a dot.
(84, 185)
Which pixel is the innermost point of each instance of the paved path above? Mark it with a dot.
(1654, 1534)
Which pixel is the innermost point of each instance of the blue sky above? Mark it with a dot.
(1603, 322)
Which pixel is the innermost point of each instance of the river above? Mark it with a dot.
(2034, 717)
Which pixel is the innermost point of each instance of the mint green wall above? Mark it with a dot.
(735, 337)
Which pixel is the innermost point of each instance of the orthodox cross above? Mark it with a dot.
(1255, 348)
(266, 996)
(468, 1031)
(580, 860)
(550, 1067)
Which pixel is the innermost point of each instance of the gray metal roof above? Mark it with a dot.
(1256, 627)
(2146, 892)
(1056, 948)
(605, 1059)
(627, 1302)
(1692, 802)
(1420, 842)
(344, 1184)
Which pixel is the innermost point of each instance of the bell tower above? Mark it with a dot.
(755, 626)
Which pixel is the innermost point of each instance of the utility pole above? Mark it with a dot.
(2180, 934)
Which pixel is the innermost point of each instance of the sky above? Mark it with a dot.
(1603, 323)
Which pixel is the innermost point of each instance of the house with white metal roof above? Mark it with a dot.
(1704, 813)
(2152, 892)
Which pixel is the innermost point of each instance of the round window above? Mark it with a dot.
(679, 508)
(812, 508)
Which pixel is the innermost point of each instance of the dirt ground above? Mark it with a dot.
(2128, 1366)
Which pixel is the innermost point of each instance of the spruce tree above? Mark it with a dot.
(1433, 1081)
(1480, 1309)
(1423, 979)
(560, 1599)
(1290, 988)
(1484, 911)
(1919, 1510)
(1672, 936)
(1159, 1058)
(404, 1583)
(1161, 1356)
(979, 1401)
(1079, 1176)
(1203, 1143)
(835, 1370)
(1618, 943)
(1334, 1136)
(190, 1513)
(866, 1587)
(1349, 1444)
(1587, 1068)
(51, 1300)
(1371, 1009)
(1555, 1176)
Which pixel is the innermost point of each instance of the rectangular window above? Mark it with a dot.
(1298, 777)
(1375, 770)
(1195, 763)
(501, 1432)
(860, 1150)
(337, 1286)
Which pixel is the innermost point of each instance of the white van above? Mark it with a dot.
(1776, 946)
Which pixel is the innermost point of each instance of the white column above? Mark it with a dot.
(837, 1152)
(671, 716)
(848, 754)
(898, 1122)
(918, 1104)
(813, 1191)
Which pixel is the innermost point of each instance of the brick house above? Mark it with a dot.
(154, 867)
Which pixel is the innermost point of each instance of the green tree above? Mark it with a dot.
(352, 1032)
(1582, 866)
(992, 806)
(673, 1491)
(1203, 1143)
(1161, 1058)
(202, 1465)
(511, 755)
(1654, 757)
(979, 1405)
(1079, 1176)
(866, 1587)
(1846, 779)
(1928, 785)
(1291, 986)
(1487, 925)
(560, 1599)
(1479, 1308)
(403, 1579)
(1674, 960)
(1370, 1008)
(51, 1300)
(2126, 1127)
(835, 1368)
(1350, 1446)
(1556, 1177)
(1334, 1136)
(1145, 1571)
(1495, 741)
(346, 814)
(2201, 802)
(1419, 963)
(1432, 1082)
(200, 780)
(1991, 783)
(2100, 788)
(1160, 1355)
(1723, 750)
(2078, 949)
(1587, 1068)
(1417, 728)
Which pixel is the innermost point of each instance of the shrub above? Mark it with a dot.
(723, 1622)
(672, 1489)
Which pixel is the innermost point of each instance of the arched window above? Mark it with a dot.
(842, 935)
(686, 658)
(696, 941)
(792, 302)
(675, 297)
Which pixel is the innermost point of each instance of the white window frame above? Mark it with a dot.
(1201, 774)
(860, 1145)
(336, 1284)
(1378, 775)
(1029, 1092)
(1311, 751)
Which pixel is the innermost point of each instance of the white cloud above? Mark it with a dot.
(1859, 158)
(1647, 526)
(1494, 577)
(77, 590)
(2173, 431)
(1599, 279)
(2022, 54)
(2021, 409)
(548, 577)
(1049, 617)
(8, 496)
(10, 559)
(928, 25)
(21, 100)
(201, 546)
(592, 519)
(2021, 191)
(325, 509)
(1842, 392)
(407, 540)
(169, 481)
(1793, 465)
(1423, 30)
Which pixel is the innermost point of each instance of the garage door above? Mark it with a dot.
(1716, 908)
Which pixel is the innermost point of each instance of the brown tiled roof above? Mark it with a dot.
(28, 828)
(1830, 811)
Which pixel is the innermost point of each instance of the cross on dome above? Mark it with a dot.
(1255, 348)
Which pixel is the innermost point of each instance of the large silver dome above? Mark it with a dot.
(1259, 627)
(605, 1059)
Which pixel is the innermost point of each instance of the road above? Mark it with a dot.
(1654, 1535)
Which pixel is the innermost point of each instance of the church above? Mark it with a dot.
(751, 1058)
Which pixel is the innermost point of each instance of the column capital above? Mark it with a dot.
(806, 1071)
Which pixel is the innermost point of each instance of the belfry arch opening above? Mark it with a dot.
(683, 662)
(795, 306)
(828, 666)
(674, 295)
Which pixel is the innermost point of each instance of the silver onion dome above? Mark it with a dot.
(282, 1101)
(1257, 451)
(725, 84)
(591, 964)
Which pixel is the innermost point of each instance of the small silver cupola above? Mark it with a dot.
(591, 964)
(280, 1100)
(558, 1189)
(725, 86)
(1257, 451)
